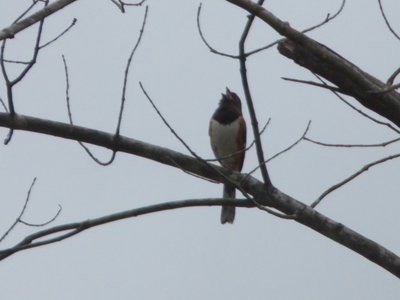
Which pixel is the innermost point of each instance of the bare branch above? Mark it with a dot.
(4, 105)
(323, 85)
(44, 223)
(91, 155)
(303, 137)
(67, 230)
(38, 16)
(169, 126)
(123, 98)
(277, 199)
(326, 20)
(387, 21)
(387, 89)
(11, 83)
(11, 61)
(34, 2)
(350, 178)
(36, 50)
(249, 100)
(383, 144)
(18, 219)
(359, 110)
(323, 61)
(393, 77)
(121, 4)
(205, 41)
(60, 35)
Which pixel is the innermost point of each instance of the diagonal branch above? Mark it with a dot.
(18, 219)
(387, 21)
(330, 65)
(42, 237)
(275, 199)
(10, 31)
(327, 19)
(351, 177)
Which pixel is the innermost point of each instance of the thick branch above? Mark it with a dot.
(330, 65)
(13, 29)
(276, 199)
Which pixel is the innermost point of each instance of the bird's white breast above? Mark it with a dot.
(224, 138)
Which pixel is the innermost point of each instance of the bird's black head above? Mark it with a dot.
(231, 99)
(229, 108)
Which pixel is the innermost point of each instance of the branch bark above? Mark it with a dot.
(10, 31)
(275, 198)
(330, 65)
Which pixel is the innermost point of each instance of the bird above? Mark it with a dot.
(227, 131)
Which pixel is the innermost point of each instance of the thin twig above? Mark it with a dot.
(205, 41)
(26, 11)
(126, 74)
(6, 79)
(123, 98)
(325, 86)
(18, 219)
(11, 61)
(11, 83)
(87, 150)
(326, 20)
(121, 4)
(383, 144)
(392, 77)
(4, 105)
(350, 178)
(166, 123)
(60, 35)
(44, 223)
(35, 53)
(302, 137)
(359, 110)
(387, 21)
(387, 89)
(36, 239)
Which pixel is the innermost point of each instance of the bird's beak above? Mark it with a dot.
(228, 95)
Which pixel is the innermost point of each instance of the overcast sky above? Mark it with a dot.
(187, 253)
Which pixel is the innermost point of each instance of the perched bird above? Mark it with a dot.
(228, 141)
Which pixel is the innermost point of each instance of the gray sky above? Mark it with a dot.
(187, 254)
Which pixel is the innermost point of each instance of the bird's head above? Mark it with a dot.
(230, 98)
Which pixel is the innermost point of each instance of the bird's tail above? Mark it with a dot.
(228, 212)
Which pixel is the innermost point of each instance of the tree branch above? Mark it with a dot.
(275, 199)
(249, 100)
(351, 177)
(12, 30)
(68, 230)
(330, 65)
